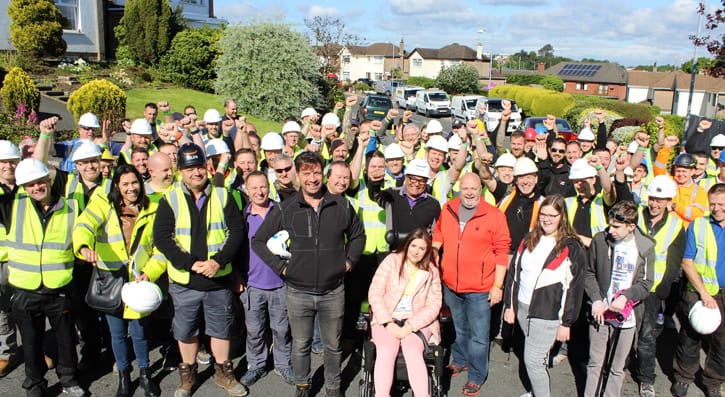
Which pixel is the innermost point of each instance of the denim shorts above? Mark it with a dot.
(189, 304)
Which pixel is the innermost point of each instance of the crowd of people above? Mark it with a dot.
(584, 249)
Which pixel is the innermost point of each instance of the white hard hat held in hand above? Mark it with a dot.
(277, 244)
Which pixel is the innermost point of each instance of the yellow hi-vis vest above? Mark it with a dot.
(506, 201)
(74, 189)
(36, 255)
(128, 153)
(663, 240)
(216, 233)
(597, 218)
(3, 247)
(373, 219)
(441, 186)
(706, 256)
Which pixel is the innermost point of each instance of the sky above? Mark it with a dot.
(630, 32)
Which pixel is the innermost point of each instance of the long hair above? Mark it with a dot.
(419, 233)
(114, 196)
(563, 233)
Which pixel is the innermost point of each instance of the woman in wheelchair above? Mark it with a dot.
(405, 299)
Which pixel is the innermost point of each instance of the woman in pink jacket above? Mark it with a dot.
(405, 299)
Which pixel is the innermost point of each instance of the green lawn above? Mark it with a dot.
(180, 97)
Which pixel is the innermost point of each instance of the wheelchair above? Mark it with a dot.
(433, 355)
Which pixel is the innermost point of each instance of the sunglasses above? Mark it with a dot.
(562, 151)
(619, 217)
(281, 170)
(716, 148)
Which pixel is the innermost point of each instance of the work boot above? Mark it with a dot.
(224, 378)
(679, 389)
(187, 375)
(150, 388)
(4, 366)
(124, 383)
(302, 391)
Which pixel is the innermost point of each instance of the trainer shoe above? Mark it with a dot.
(646, 390)
(74, 391)
(287, 374)
(203, 358)
(252, 376)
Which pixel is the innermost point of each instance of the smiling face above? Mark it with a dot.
(416, 251)
(435, 159)
(395, 166)
(339, 180)
(557, 152)
(140, 162)
(89, 169)
(284, 170)
(526, 183)
(415, 185)
(194, 177)
(376, 169)
(39, 190)
(573, 152)
(657, 206)
(549, 219)
(310, 178)
(517, 146)
(7, 171)
(258, 190)
(683, 175)
(470, 190)
(130, 187)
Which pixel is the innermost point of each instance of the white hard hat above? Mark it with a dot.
(272, 141)
(525, 166)
(703, 319)
(29, 170)
(505, 160)
(278, 243)
(718, 140)
(86, 150)
(141, 296)
(89, 120)
(628, 171)
(632, 148)
(418, 167)
(586, 134)
(581, 170)
(216, 146)
(437, 142)
(662, 186)
(434, 127)
(330, 118)
(454, 142)
(8, 151)
(308, 112)
(212, 116)
(393, 151)
(291, 126)
(141, 127)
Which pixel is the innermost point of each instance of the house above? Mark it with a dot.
(670, 91)
(89, 23)
(428, 62)
(375, 61)
(600, 79)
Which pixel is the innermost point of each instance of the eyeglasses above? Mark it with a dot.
(562, 151)
(548, 216)
(281, 170)
(417, 181)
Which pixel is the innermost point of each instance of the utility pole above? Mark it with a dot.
(694, 73)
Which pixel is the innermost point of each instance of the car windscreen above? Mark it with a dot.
(410, 93)
(379, 102)
(495, 106)
(471, 103)
(438, 96)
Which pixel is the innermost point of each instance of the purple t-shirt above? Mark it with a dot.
(260, 275)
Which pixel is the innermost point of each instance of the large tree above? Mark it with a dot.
(36, 29)
(458, 79)
(190, 60)
(715, 45)
(269, 69)
(147, 29)
(327, 36)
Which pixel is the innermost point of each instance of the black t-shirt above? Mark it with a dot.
(518, 217)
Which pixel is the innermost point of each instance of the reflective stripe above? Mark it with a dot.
(45, 266)
(663, 240)
(503, 206)
(373, 219)
(441, 186)
(706, 256)
(597, 218)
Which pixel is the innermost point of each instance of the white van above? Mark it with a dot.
(405, 96)
(489, 110)
(432, 102)
(463, 107)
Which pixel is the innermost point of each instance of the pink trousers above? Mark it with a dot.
(387, 346)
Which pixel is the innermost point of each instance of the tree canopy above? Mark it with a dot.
(147, 29)
(36, 29)
(458, 79)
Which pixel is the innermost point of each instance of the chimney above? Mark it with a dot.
(402, 48)
(540, 67)
(479, 51)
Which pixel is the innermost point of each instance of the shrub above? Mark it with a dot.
(191, 59)
(551, 102)
(424, 82)
(14, 127)
(19, 88)
(102, 98)
(146, 29)
(36, 30)
(458, 79)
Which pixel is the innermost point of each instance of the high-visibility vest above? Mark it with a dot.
(216, 228)
(713, 168)
(441, 186)
(597, 218)
(504, 204)
(74, 189)
(38, 255)
(373, 219)
(3, 247)
(127, 154)
(706, 256)
(663, 240)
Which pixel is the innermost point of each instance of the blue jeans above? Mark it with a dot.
(119, 327)
(471, 314)
(329, 307)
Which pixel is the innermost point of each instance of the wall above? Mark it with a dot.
(618, 91)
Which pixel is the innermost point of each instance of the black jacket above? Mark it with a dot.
(555, 180)
(321, 241)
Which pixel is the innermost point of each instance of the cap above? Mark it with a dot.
(457, 124)
(355, 123)
(176, 116)
(216, 146)
(393, 151)
(291, 126)
(89, 120)
(212, 116)
(581, 170)
(437, 142)
(434, 127)
(141, 127)
(505, 160)
(418, 167)
(586, 134)
(308, 112)
(525, 166)
(662, 186)
(86, 150)
(272, 141)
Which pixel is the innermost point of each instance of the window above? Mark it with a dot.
(378, 76)
(346, 58)
(69, 10)
(195, 2)
(378, 60)
(581, 86)
(346, 75)
(603, 89)
(417, 62)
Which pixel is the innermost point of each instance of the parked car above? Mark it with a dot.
(489, 110)
(375, 107)
(387, 87)
(432, 102)
(463, 107)
(537, 124)
(405, 96)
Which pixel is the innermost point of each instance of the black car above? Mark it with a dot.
(375, 107)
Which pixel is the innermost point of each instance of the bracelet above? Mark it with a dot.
(223, 165)
(44, 135)
(194, 131)
(599, 167)
(477, 138)
(103, 146)
(499, 286)
(642, 149)
(487, 141)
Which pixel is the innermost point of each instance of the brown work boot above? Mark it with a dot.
(187, 375)
(224, 378)
(4, 366)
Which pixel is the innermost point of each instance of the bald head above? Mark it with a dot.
(471, 190)
(160, 169)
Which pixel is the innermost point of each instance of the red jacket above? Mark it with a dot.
(470, 256)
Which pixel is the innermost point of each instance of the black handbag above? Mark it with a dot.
(104, 291)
